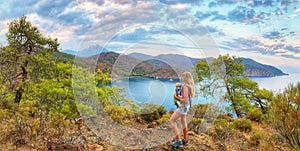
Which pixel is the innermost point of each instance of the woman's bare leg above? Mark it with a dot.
(184, 126)
(173, 119)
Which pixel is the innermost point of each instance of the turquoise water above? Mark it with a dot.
(160, 91)
(157, 91)
(278, 83)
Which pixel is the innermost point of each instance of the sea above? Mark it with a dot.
(160, 91)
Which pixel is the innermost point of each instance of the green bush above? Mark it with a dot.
(243, 125)
(255, 115)
(227, 117)
(256, 137)
(195, 124)
(152, 112)
(224, 130)
(118, 113)
(85, 109)
(165, 118)
(200, 110)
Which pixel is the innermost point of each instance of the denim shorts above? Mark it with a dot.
(183, 109)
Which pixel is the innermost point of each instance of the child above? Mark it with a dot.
(177, 94)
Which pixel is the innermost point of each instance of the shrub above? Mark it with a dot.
(227, 117)
(255, 115)
(284, 114)
(118, 113)
(165, 118)
(85, 109)
(224, 130)
(152, 112)
(200, 110)
(243, 125)
(195, 125)
(256, 137)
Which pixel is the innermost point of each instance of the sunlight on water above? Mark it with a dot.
(278, 83)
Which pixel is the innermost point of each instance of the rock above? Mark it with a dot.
(99, 148)
(139, 120)
(153, 124)
(78, 120)
(192, 133)
(80, 140)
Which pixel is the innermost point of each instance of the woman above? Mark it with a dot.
(181, 111)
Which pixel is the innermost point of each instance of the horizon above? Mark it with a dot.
(265, 31)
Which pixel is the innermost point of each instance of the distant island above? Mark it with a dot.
(255, 69)
(165, 66)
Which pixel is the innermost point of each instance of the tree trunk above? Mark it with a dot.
(233, 103)
(19, 92)
(18, 95)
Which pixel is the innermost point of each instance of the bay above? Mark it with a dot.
(160, 91)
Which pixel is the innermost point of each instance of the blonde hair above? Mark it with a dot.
(188, 80)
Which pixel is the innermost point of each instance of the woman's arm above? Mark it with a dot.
(186, 95)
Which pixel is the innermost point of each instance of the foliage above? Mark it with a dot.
(164, 119)
(256, 137)
(195, 125)
(242, 125)
(152, 112)
(26, 57)
(227, 72)
(118, 113)
(224, 130)
(200, 110)
(255, 114)
(228, 117)
(284, 114)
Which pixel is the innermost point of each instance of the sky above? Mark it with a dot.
(264, 30)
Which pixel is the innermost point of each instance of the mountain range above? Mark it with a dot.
(161, 66)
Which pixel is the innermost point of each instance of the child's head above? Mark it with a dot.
(178, 84)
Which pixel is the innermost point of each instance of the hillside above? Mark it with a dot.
(124, 65)
(252, 68)
(80, 137)
(162, 65)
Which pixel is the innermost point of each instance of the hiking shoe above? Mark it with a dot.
(184, 142)
(177, 143)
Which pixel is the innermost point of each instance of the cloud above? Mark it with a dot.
(272, 35)
(202, 15)
(212, 4)
(75, 17)
(295, 49)
(174, 2)
(243, 14)
(291, 57)
(49, 8)
(180, 6)
(212, 15)
(228, 2)
(215, 30)
(256, 3)
(139, 34)
(264, 46)
(217, 16)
